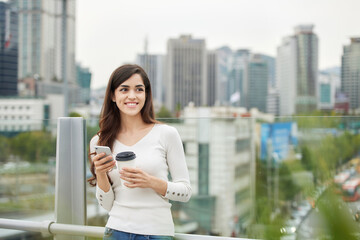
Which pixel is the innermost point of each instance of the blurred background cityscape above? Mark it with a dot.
(272, 141)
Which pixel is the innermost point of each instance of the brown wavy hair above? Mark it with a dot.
(110, 120)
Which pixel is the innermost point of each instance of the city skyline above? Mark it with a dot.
(258, 26)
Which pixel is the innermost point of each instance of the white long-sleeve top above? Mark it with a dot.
(142, 210)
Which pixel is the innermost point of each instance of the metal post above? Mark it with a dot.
(64, 58)
(70, 194)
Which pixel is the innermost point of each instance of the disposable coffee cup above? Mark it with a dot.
(125, 159)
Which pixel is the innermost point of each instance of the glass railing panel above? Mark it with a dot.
(27, 169)
(298, 178)
(251, 177)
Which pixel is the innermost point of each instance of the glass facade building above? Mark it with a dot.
(83, 77)
(8, 50)
(307, 69)
(350, 72)
(297, 71)
(41, 40)
(258, 83)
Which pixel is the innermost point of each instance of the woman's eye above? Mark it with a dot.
(140, 89)
(123, 90)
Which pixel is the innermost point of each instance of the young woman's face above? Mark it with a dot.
(130, 96)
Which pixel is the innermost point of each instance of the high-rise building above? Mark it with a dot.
(257, 83)
(249, 79)
(224, 65)
(272, 102)
(350, 72)
(8, 50)
(83, 78)
(271, 63)
(154, 67)
(297, 69)
(238, 78)
(286, 75)
(327, 90)
(186, 79)
(212, 78)
(41, 41)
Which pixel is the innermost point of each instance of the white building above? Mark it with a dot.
(286, 75)
(221, 159)
(29, 114)
(297, 71)
(272, 102)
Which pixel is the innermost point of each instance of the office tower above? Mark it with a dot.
(350, 72)
(327, 90)
(154, 67)
(41, 41)
(8, 50)
(271, 63)
(272, 102)
(248, 79)
(297, 67)
(224, 64)
(238, 76)
(212, 78)
(186, 79)
(286, 75)
(257, 83)
(83, 78)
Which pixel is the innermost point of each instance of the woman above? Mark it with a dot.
(141, 210)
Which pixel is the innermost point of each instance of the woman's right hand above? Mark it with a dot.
(101, 165)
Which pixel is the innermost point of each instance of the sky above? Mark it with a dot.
(110, 33)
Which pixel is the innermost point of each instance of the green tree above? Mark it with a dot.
(163, 113)
(35, 146)
(306, 158)
(4, 148)
(75, 114)
(286, 182)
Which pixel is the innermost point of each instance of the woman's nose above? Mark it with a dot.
(132, 94)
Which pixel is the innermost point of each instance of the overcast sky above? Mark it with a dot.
(112, 32)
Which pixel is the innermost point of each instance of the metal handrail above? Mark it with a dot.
(52, 228)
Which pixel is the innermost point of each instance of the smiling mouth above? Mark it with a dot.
(131, 104)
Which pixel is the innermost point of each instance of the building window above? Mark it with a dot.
(242, 195)
(203, 169)
(242, 170)
(242, 145)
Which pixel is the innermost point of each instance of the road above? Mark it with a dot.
(314, 224)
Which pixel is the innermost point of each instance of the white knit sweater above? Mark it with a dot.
(142, 210)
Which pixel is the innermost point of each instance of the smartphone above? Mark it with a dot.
(103, 149)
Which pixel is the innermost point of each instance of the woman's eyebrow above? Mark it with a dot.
(127, 86)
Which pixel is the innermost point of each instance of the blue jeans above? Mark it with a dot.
(111, 234)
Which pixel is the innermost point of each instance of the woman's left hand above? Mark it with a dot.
(138, 178)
